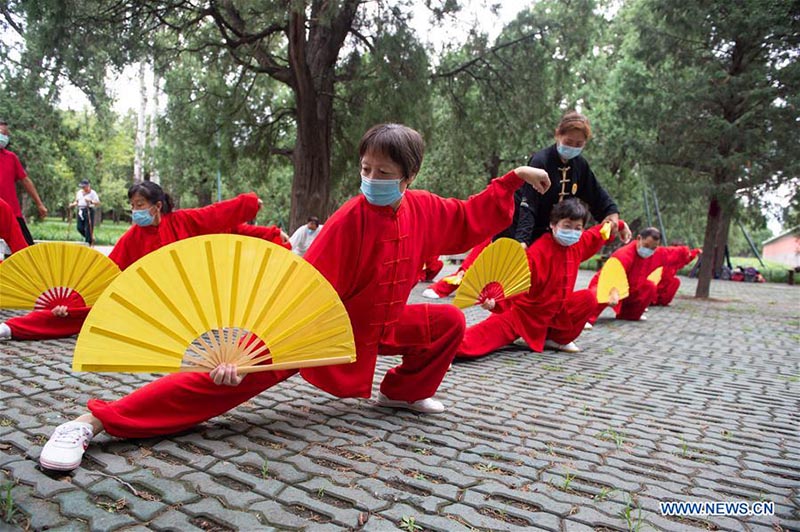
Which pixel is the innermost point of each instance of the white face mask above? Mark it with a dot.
(645, 252)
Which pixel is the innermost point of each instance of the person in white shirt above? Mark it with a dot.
(86, 199)
(302, 238)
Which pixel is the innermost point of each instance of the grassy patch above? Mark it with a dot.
(105, 234)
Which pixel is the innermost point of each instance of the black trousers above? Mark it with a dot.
(86, 223)
(25, 232)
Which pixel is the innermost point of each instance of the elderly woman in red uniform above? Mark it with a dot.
(371, 251)
(669, 284)
(551, 314)
(639, 259)
(155, 224)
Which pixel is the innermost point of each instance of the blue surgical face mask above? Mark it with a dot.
(3, 141)
(142, 217)
(568, 152)
(567, 237)
(645, 252)
(381, 192)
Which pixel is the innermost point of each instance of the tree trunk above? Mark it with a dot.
(151, 160)
(141, 132)
(312, 170)
(492, 166)
(718, 224)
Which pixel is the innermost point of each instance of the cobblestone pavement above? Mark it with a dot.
(701, 402)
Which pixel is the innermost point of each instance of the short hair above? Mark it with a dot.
(3, 122)
(400, 143)
(153, 193)
(651, 232)
(571, 208)
(313, 219)
(574, 121)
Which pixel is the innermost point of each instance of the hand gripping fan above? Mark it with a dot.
(605, 231)
(655, 275)
(500, 271)
(54, 273)
(612, 275)
(211, 299)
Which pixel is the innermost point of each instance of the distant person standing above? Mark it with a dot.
(86, 199)
(302, 238)
(11, 171)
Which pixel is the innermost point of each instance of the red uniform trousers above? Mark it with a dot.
(10, 230)
(43, 325)
(632, 307)
(443, 288)
(667, 289)
(499, 330)
(426, 336)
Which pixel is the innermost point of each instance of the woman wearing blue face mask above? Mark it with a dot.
(550, 314)
(571, 176)
(155, 224)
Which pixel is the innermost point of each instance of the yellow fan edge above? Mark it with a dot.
(180, 318)
(612, 275)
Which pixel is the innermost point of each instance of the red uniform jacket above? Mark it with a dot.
(223, 217)
(638, 268)
(373, 255)
(677, 258)
(554, 269)
(9, 228)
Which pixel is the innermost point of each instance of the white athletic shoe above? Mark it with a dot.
(64, 450)
(588, 326)
(427, 406)
(567, 348)
(643, 318)
(430, 294)
(5, 332)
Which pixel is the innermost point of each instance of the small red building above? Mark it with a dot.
(784, 248)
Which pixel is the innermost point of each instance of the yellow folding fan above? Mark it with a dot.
(612, 276)
(454, 279)
(211, 299)
(500, 271)
(50, 273)
(605, 231)
(655, 275)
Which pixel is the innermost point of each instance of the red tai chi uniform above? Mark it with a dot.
(642, 291)
(670, 283)
(551, 309)
(9, 228)
(442, 287)
(372, 256)
(223, 217)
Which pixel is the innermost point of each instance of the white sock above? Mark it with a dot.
(5, 331)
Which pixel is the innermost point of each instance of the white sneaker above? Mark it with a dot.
(427, 406)
(567, 348)
(64, 450)
(5, 332)
(643, 318)
(430, 294)
(588, 326)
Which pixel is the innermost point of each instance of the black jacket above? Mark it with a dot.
(532, 210)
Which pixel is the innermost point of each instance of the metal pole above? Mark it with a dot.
(750, 241)
(658, 216)
(646, 204)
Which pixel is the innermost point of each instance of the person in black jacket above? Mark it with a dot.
(571, 176)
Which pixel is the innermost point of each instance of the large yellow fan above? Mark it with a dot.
(612, 276)
(655, 275)
(211, 299)
(53, 273)
(500, 271)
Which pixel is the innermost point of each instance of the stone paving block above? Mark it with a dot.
(28, 472)
(344, 515)
(395, 490)
(217, 449)
(79, 505)
(512, 509)
(395, 516)
(140, 508)
(173, 521)
(360, 499)
(192, 456)
(274, 470)
(41, 513)
(219, 482)
(166, 490)
(275, 514)
(209, 512)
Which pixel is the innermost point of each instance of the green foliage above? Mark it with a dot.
(106, 234)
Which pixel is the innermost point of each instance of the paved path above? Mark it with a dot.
(701, 402)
